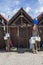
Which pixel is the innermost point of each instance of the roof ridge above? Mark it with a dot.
(4, 17)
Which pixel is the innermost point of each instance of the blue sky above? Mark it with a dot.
(10, 7)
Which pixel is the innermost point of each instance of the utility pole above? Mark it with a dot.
(7, 38)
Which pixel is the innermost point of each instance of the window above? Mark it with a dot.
(22, 32)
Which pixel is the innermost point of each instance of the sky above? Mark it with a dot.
(9, 7)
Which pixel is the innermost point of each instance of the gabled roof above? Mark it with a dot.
(18, 13)
(40, 18)
(4, 18)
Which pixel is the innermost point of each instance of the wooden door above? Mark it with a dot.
(22, 37)
(13, 34)
(24, 34)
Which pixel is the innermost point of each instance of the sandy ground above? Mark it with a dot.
(26, 58)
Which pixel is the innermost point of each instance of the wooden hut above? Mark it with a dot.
(40, 23)
(20, 28)
(3, 21)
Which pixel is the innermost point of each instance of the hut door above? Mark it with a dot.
(22, 35)
(13, 33)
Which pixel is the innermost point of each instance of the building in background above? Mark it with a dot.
(40, 24)
(3, 23)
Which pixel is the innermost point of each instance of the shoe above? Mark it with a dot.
(36, 51)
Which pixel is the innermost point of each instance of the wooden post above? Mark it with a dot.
(27, 35)
(18, 35)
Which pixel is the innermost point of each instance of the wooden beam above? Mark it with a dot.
(21, 18)
(41, 21)
(16, 19)
(40, 25)
(27, 20)
(29, 17)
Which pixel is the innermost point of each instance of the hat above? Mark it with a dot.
(35, 21)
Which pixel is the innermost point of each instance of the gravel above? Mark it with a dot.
(26, 58)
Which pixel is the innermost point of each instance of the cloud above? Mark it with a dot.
(36, 11)
(39, 10)
(40, 1)
(3, 14)
(27, 9)
(14, 12)
(17, 2)
(6, 11)
(10, 13)
(9, 7)
(10, 2)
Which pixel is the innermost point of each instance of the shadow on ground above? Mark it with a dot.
(19, 50)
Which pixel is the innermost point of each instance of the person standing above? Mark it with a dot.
(35, 36)
(7, 41)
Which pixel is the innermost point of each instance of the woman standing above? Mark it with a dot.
(35, 37)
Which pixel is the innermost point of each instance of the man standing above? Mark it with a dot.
(7, 41)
